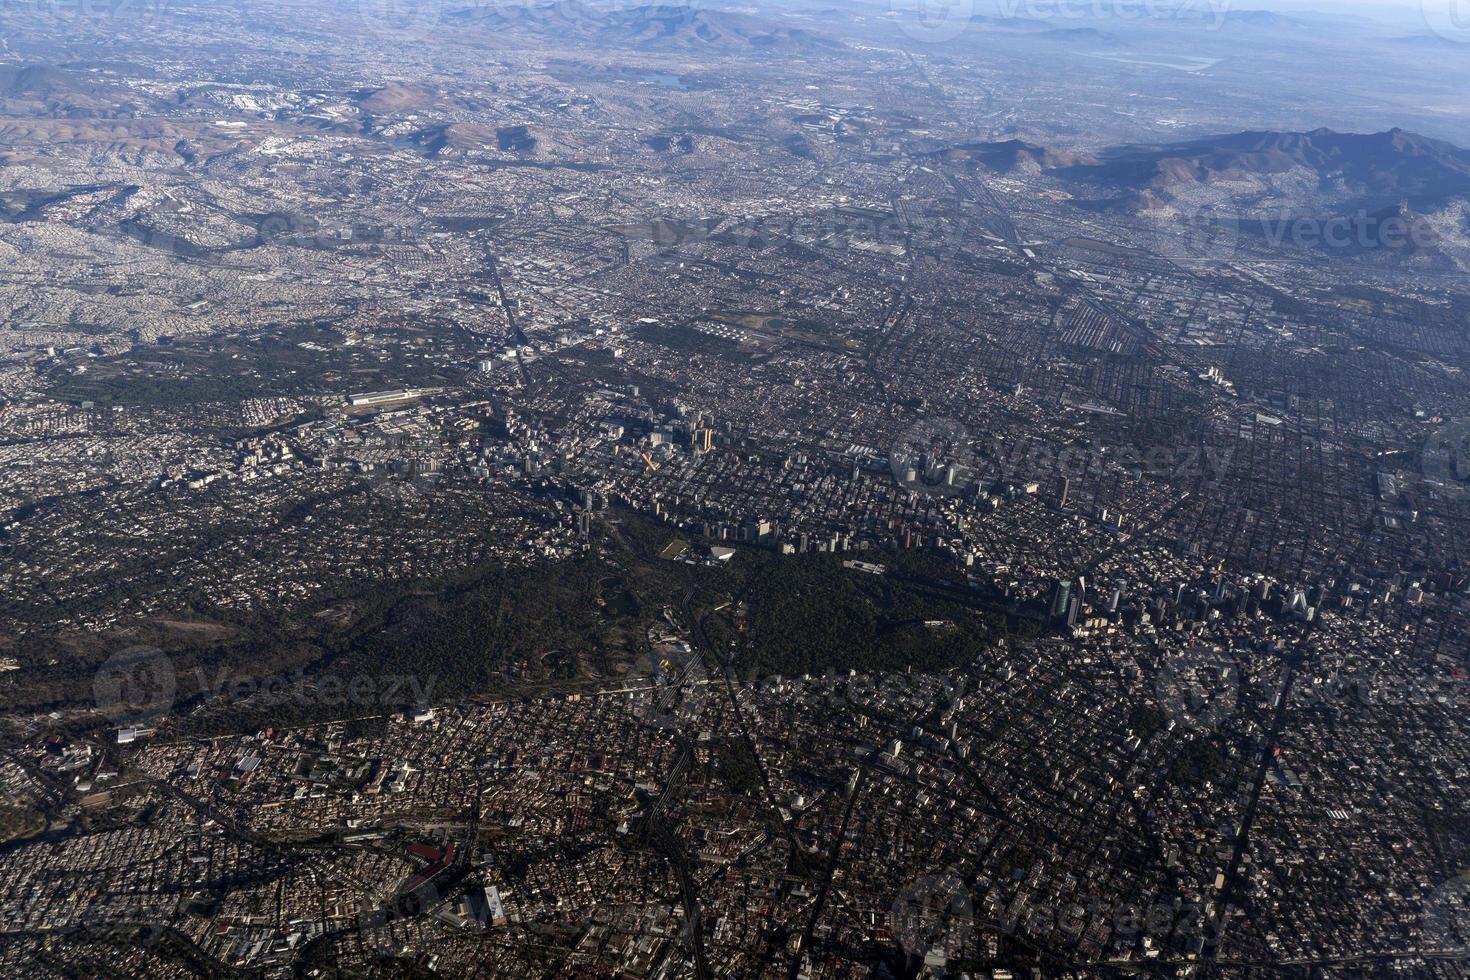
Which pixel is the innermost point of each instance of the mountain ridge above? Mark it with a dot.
(1384, 166)
(670, 27)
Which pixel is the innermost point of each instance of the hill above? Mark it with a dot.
(649, 28)
(1394, 165)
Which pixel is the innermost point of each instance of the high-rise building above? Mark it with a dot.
(1061, 598)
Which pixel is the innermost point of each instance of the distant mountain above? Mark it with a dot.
(1077, 19)
(1213, 14)
(1267, 19)
(1004, 23)
(1087, 34)
(1428, 42)
(654, 27)
(61, 91)
(35, 81)
(1377, 166)
(1394, 194)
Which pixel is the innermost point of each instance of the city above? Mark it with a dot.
(604, 490)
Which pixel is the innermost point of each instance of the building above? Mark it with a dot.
(368, 399)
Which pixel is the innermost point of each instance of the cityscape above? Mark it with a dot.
(606, 490)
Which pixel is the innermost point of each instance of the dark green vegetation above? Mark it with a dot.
(1146, 720)
(808, 614)
(687, 340)
(738, 767)
(19, 821)
(1198, 761)
(277, 362)
(130, 388)
(505, 630)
